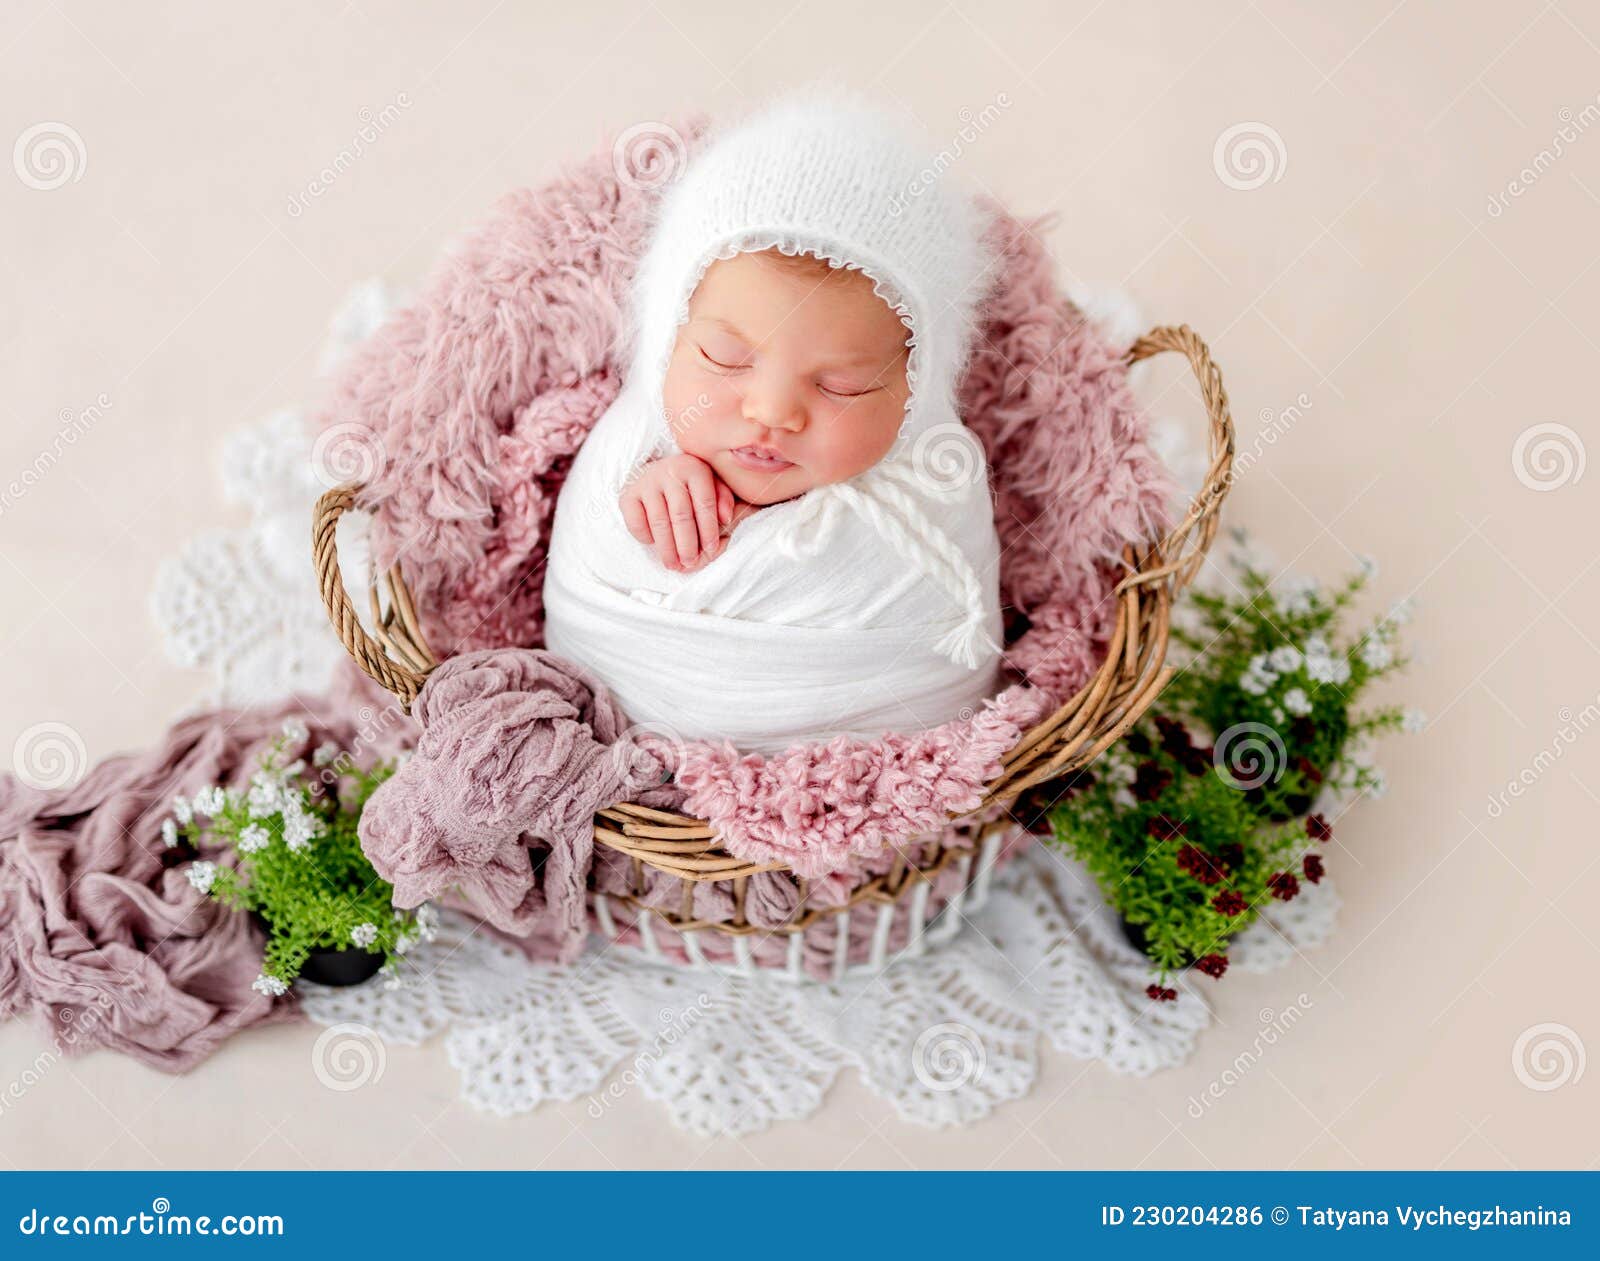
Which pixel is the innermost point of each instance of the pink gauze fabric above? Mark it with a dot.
(517, 752)
(480, 391)
(102, 937)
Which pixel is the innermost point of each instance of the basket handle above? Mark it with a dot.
(397, 656)
(1187, 542)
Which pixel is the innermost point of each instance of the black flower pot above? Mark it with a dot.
(1135, 935)
(346, 965)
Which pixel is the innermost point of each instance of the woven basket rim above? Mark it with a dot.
(1123, 687)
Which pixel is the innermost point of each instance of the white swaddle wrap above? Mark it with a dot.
(862, 607)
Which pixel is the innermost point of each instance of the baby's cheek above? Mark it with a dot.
(858, 440)
(697, 410)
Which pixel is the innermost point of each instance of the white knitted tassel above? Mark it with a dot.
(962, 642)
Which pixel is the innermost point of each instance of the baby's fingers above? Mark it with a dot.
(681, 515)
(724, 503)
(702, 485)
(635, 518)
(656, 511)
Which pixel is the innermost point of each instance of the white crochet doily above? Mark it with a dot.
(944, 1037)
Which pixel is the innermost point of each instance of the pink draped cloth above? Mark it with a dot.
(517, 752)
(102, 937)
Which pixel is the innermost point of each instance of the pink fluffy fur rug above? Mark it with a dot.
(477, 394)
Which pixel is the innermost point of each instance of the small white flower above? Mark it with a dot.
(269, 985)
(210, 801)
(1297, 702)
(202, 875)
(295, 730)
(169, 832)
(1252, 684)
(253, 838)
(1369, 565)
(1413, 720)
(1124, 798)
(1379, 783)
(326, 752)
(183, 810)
(428, 921)
(299, 827)
(364, 934)
(1328, 669)
(1296, 597)
(1376, 653)
(1277, 715)
(1286, 660)
(266, 795)
(1400, 612)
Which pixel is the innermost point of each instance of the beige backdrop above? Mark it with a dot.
(1380, 214)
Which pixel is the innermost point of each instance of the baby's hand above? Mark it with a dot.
(679, 506)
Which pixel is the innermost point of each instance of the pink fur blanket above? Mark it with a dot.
(476, 396)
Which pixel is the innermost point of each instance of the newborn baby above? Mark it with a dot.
(790, 374)
(780, 531)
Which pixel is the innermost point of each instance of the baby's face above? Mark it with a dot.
(783, 379)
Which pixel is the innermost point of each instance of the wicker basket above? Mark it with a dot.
(1126, 684)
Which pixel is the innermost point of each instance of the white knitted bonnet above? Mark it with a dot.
(821, 170)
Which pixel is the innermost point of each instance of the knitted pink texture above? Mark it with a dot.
(479, 392)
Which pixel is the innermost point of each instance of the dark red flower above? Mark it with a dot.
(1317, 828)
(1165, 828)
(1138, 743)
(1302, 730)
(1231, 856)
(1283, 885)
(1304, 765)
(1174, 736)
(1150, 781)
(1200, 865)
(1212, 965)
(1159, 993)
(1312, 866)
(1197, 761)
(1229, 902)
